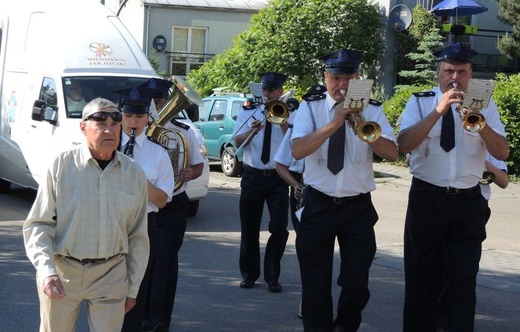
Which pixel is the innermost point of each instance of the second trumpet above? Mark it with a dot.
(367, 131)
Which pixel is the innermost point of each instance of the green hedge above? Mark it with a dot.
(394, 106)
(507, 98)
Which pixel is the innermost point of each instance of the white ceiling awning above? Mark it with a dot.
(215, 4)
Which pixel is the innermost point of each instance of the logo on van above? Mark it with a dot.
(100, 49)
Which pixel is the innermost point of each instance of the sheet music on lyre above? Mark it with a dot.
(257, 92)
(478, 94)
(358, 94)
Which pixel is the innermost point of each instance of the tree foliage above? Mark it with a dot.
(155, 62)
(509, 13)
(419, 36)
(425, 62)
(289, 36)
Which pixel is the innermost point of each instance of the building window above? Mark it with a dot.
(188, 49)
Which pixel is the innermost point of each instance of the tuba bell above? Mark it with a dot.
(174, 140)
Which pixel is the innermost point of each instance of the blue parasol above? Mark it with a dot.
(458, 8)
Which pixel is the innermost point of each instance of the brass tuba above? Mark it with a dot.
(174, 140)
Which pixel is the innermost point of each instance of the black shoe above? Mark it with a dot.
(274, 286)
(247, 283)
(160, 328)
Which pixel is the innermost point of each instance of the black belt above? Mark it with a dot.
(264, 172)
(335, 200)
(86, 261)
(420, 184)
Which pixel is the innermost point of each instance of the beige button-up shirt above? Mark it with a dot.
(83, 211)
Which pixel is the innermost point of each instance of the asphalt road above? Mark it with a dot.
(209, 297)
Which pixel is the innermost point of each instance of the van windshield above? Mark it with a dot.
(79, 90)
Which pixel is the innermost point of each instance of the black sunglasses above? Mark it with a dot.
(103, 116)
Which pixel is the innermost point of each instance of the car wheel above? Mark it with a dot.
(4, 186)
(193, 207)
(230, 165)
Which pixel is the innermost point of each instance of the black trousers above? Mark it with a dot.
(437, 222)
(352, 224)
(443, 308)
(256, 190)
(171, 225)
(134, 318)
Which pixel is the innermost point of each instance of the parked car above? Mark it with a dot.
(197, 189)
(216, 124)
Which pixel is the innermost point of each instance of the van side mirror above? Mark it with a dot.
(44, 112)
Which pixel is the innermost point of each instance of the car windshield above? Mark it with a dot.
(79, 90)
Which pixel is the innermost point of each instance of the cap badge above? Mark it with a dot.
(343, 56)
(269, 77)
(456, 48)
(152, 84)
(134, 94)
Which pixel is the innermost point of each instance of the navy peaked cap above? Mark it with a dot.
(455, 52)
(135, 100)
(272, 80)
(160, 87)
(342, 61)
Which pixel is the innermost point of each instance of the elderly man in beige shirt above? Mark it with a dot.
(86, 233)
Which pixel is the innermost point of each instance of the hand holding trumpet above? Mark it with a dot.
(451, 96)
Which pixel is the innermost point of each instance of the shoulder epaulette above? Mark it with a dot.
(151, 139)
(316, 92)
(375, 102)
(424, 94)
(180, 124)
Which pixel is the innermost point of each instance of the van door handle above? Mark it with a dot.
(221, 127)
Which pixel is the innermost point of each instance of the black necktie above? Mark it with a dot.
(336, 151)
(266, 146)
(448, 131)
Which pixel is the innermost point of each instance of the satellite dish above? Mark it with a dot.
(399, 18)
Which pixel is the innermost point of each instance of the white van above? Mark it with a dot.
(47, 47)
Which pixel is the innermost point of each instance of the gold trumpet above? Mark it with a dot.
(367, 131)
(472, 120)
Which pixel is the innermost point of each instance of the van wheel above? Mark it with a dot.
(193, 207)
(230, 165)
(4, 186)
